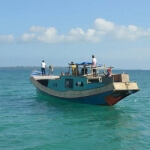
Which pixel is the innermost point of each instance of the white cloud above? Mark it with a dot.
(50, 36)
(76, 32)
(28, 37)
(102, 28)
(103, 25)
(129, 32)
(42, 34)
(6, 38)
(92, 35)
(75, 35)
(37, 29)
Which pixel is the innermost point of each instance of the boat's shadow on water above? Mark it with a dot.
(97, 112)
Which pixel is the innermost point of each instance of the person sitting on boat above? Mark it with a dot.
(62, 74)
(50, 70)
(84, 70)
(94, 65)
(67, 73)
(109, 72)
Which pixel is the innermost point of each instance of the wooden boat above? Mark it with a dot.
(85, 87)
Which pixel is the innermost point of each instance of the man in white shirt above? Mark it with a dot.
(43, 66)
(94, 64)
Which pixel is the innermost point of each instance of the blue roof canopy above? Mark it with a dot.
(84, 63)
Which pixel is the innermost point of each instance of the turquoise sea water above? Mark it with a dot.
(30, 121)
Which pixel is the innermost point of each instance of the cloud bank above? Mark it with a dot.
(100, 30)
(7, 38)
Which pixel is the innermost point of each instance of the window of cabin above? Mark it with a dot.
(69, 83)
(54, 84)
(79, 83)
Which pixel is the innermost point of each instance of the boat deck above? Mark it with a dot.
(45, 77)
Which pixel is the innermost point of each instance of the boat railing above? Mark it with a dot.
(108, 80)
(120, 78)
(100, 75)
(84, 69)
(116, 78)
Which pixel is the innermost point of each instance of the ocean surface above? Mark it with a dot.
(31, 121)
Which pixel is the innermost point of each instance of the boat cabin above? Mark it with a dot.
(103, 73)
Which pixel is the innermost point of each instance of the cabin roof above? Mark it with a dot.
(84, 64)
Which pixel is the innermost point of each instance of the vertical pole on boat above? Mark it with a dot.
(104, 69)
(69, 69)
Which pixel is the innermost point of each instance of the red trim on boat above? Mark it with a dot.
(112, 100)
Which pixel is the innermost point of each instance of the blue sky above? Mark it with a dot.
(117, 32)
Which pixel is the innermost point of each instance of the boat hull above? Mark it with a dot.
(108, 95)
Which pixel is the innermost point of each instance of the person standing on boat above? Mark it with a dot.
(43, 66)
(73, 66)
(84, 70)
(50, 70)
(94, 64)
(76, 71)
